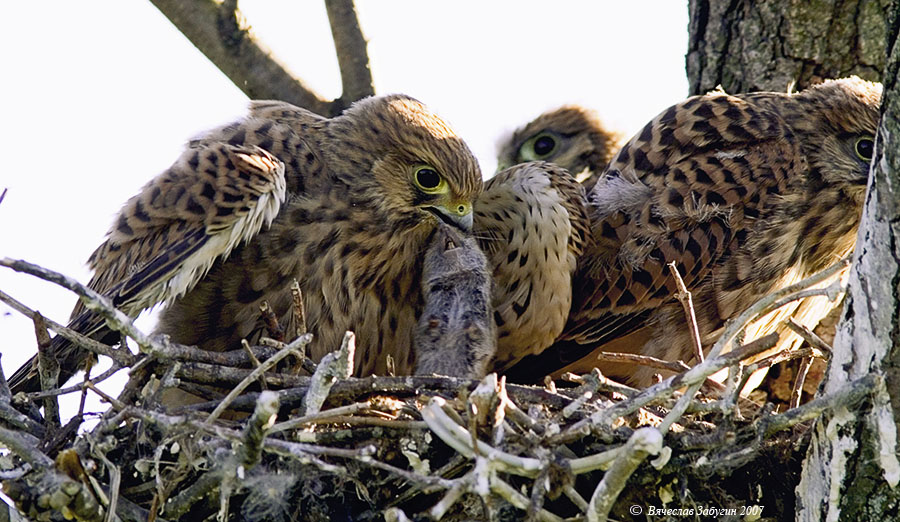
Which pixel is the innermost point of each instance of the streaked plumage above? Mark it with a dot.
(745, 193)
(365, 192)
(532, 223)
(571, 136)
(167, 237)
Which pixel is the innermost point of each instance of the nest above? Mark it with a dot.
(269, 444)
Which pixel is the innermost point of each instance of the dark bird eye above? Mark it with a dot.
(539, 147)
(428, 179)
(865, 148)
(544, 145)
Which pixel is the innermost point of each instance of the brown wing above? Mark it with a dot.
(166, 237)
(687, 189)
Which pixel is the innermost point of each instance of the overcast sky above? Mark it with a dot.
(99, 96)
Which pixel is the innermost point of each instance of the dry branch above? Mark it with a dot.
(220, 31)
(457, 448)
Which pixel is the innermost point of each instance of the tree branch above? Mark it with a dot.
(350, 46)
(220, 34)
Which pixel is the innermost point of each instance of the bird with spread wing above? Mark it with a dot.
(345, 205)
(744, 193)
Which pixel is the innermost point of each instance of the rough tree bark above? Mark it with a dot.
(765, 45)
(851, 471)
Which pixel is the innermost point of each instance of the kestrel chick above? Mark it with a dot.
(745, 193)
(365, 192)
(455, 335)
(167, 237)
(532, 223)
(571, 136)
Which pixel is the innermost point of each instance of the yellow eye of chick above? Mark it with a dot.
(429, 180)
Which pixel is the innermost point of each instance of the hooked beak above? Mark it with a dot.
(458, 215)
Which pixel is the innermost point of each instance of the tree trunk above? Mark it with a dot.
(768, 44)
(851, 470)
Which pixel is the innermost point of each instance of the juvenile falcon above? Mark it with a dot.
(745, 193)
(532, 223)
(365, 192)
(571, 136)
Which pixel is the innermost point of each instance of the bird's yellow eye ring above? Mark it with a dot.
(429, 180)
(539, 147)
(865, 148)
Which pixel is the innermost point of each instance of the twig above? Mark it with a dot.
(350, 46)
(848, 396)
(765, 305)
(459, 439)
(275, 330)
(5, 392)
(220, 35)
(326, 415)
(641, 444)
(20, 421)
(123, 357)
(93, 301)
(688, 303)
(334, 366)
(299, 309)
(797, 391)
(808, 336)
(511, 495)
(258, 426)
(254, 361)
(48, 370)
(695, 376)
(778, 299)
(76, 388)
(26, 447)
(255, 374)
(643, 360)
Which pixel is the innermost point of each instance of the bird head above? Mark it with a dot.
(571, 136)
(421, 172)
(836, 121)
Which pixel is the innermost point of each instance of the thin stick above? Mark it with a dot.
(797, 391)
(643, 360)
(808, 335)
(123, 357)
(765, 305)
(256, 374)
(254, 361)
(116, 319)
(688, 303)
(48, 370)
(299, 309)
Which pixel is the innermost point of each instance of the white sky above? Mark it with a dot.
(99, 96)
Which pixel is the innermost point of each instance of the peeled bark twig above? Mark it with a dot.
(684, 297)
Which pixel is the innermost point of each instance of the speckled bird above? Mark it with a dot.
(364, 193)
(571, 136)
(532, 223)
(745, 193)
